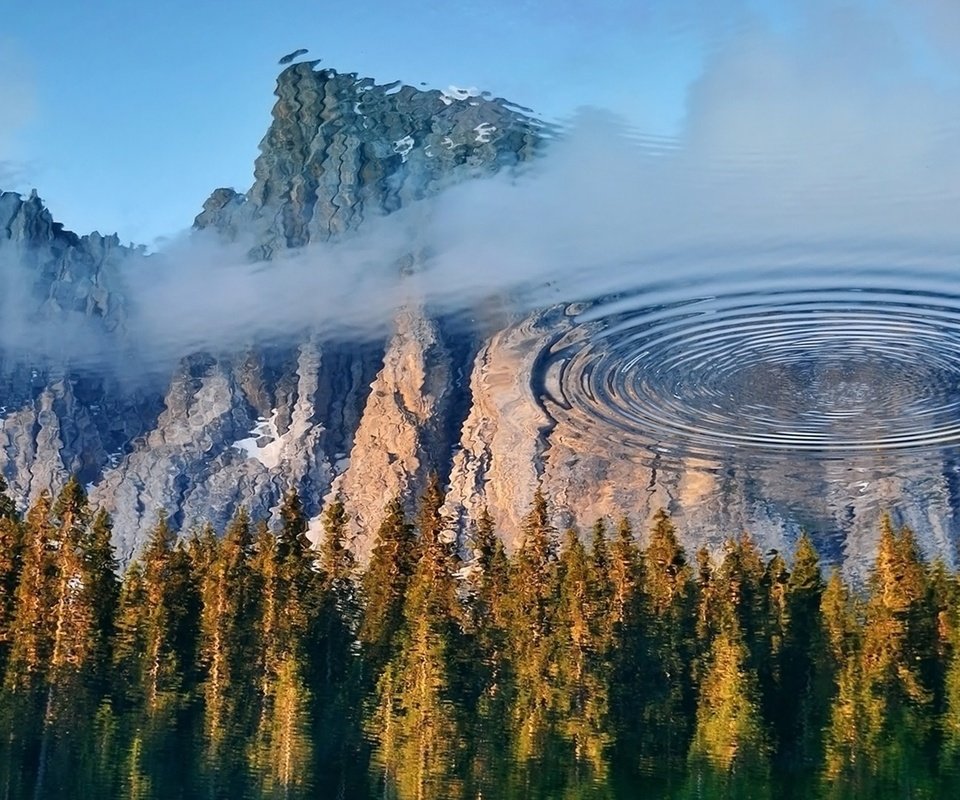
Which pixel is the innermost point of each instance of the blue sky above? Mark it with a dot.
(125, 116)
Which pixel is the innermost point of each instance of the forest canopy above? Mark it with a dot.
(250, 663)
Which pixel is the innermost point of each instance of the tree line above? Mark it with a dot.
(249, 663)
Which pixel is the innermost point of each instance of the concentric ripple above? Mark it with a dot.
(766, 366)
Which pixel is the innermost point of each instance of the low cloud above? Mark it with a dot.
(829, 138)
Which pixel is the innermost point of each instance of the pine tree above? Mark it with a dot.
(806, 677)
(603, 588)
(629, 647)
(847, 753)
(942, 607)
(286, 629)
(64, 653)
(85, 586)
(712, 607)
(532, 601)
(487, 582)
(385, 586)
(292, 542)
(227, 649)
(774, 588)
(839, 613)
(666, 610)
(899, 641)
(334, 665)
(31, 635)
(336, 559)
(742, 596)
(103, 586)
(281, 753)
(417, 692)
(729, 754)
(130, 639)
(8, 509)
(157, 624)
(950, 718)
(624, 571)
(667, 576)
(11, 562)
(534, 571)
(488, 585)
(338, 612)
(580, 665)
(289, 588)
(268, 608)
(11, 545)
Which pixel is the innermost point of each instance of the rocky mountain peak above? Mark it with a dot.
(370, 419)
(342, 147)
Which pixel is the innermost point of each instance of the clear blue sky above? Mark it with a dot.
(126, 115)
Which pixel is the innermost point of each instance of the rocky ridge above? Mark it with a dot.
(369, 420)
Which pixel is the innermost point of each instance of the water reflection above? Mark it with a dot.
(771, 399)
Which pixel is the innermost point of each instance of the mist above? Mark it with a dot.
(829, 142)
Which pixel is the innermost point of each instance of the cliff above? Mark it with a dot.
(371, 418)
(375, 417)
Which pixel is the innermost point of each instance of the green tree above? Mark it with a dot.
(289, 587)
(62, 630)
(487, 583)
(898, 644)
(385, 586)
(667, 613)
(156, 649)
(730, 752)
(228, 594)
(334, 665)
(31, 635)
(336, 559)
(580, 668)
(624, 571)
(11, 562)
(287, 625)
(806, 677)
(422, 751)
(281, 753)
(533, 581)
(8, 508)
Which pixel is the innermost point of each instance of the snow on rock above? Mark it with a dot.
(454, 93)
(265, 443)
(484, 131)
(403, 146)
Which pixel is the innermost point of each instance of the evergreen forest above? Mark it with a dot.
(249, 663)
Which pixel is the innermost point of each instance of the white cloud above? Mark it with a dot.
(828, 136)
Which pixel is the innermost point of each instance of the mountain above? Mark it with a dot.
(375, 417)
(468, 396)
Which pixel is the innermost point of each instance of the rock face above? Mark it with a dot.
(371, 420)
(368, 420)
(341, 149)
(57, 287)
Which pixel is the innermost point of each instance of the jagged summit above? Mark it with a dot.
(370, 420)
(373, 418)
(341, 147)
